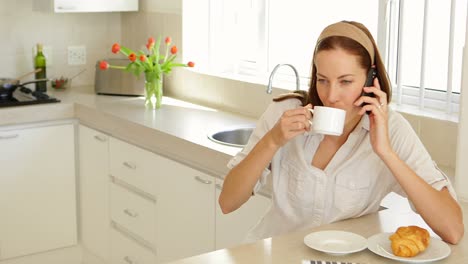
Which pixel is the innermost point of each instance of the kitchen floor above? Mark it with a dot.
(76, 255)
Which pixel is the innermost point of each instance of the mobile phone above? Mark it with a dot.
(371, 74)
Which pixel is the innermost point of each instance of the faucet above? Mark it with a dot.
(270, 82)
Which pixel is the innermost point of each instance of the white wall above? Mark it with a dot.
(461, 179)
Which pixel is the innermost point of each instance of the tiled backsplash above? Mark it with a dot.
(24, 23)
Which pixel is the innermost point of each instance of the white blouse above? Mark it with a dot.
(353, 183)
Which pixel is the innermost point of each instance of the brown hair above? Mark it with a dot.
(352, 47)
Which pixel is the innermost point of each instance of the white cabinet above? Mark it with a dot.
(160, 210)
(126, 251)
(133, 192)
(37, 189)
(186, 222)
(232, 228)
(134, 166)
(70, 6)
(94, 194)
(133, 212)
(164, 203)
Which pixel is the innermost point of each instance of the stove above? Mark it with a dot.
(26, 96)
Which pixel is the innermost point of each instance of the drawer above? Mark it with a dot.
(134, 165)
(126, 251)
(134, 213)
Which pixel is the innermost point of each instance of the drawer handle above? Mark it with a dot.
(129, 260)
(9, 136)
(129, 165)
(219, 186)
(198, 178)
(100, 138)
(130, 213)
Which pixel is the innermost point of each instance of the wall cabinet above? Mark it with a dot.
(73, 6)
(37, 189)
(232, 228)
(94, 194)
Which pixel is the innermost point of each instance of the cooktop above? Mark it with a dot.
(26, 96)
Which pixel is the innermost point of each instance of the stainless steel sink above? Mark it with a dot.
(232, 136)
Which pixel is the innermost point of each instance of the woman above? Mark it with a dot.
(318, 179)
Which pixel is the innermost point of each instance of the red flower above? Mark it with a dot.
(168, 41)
(115, 48)
(174, 50)
(150, 43)
(143, 58)
(132, 57)
(103, 65)
(191, 64)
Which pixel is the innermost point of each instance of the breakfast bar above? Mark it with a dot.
(290, 248)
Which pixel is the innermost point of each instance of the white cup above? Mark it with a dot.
(327, 120)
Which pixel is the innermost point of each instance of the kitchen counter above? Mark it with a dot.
(178, 130)
(290, 248)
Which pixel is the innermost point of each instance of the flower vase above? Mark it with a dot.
(153, 90)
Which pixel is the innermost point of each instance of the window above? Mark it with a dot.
(250, 37)
(425, 49)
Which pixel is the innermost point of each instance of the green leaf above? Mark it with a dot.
(126, 51)
(156, 50)
(178, 65)
(158, 68)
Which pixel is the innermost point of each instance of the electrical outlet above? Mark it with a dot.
(76, 55)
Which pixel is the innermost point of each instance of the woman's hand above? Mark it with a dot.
(291, 123)
(378, 118)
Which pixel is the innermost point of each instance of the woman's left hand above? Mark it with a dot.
(378, 117)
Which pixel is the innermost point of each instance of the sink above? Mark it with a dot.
(232, 136)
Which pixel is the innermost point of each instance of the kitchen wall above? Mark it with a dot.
(155, 18)
(23, 23)
(462, 149)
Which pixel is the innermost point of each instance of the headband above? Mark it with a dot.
(348, 30)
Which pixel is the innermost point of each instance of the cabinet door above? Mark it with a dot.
(70, 6)
(37, 190)
(134, 166)
(232, 228)
(94, 194)
(185, 211)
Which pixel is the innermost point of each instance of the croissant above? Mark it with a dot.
(409, 241)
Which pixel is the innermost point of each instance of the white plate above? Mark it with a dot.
(335, 242)
(381, 245)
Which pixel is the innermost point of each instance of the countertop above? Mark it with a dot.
(290, 248)
(178, 130)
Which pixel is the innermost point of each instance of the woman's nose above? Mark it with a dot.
(333, 93)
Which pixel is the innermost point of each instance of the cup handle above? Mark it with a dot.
(312, 111)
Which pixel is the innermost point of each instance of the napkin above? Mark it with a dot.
(325, 262)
